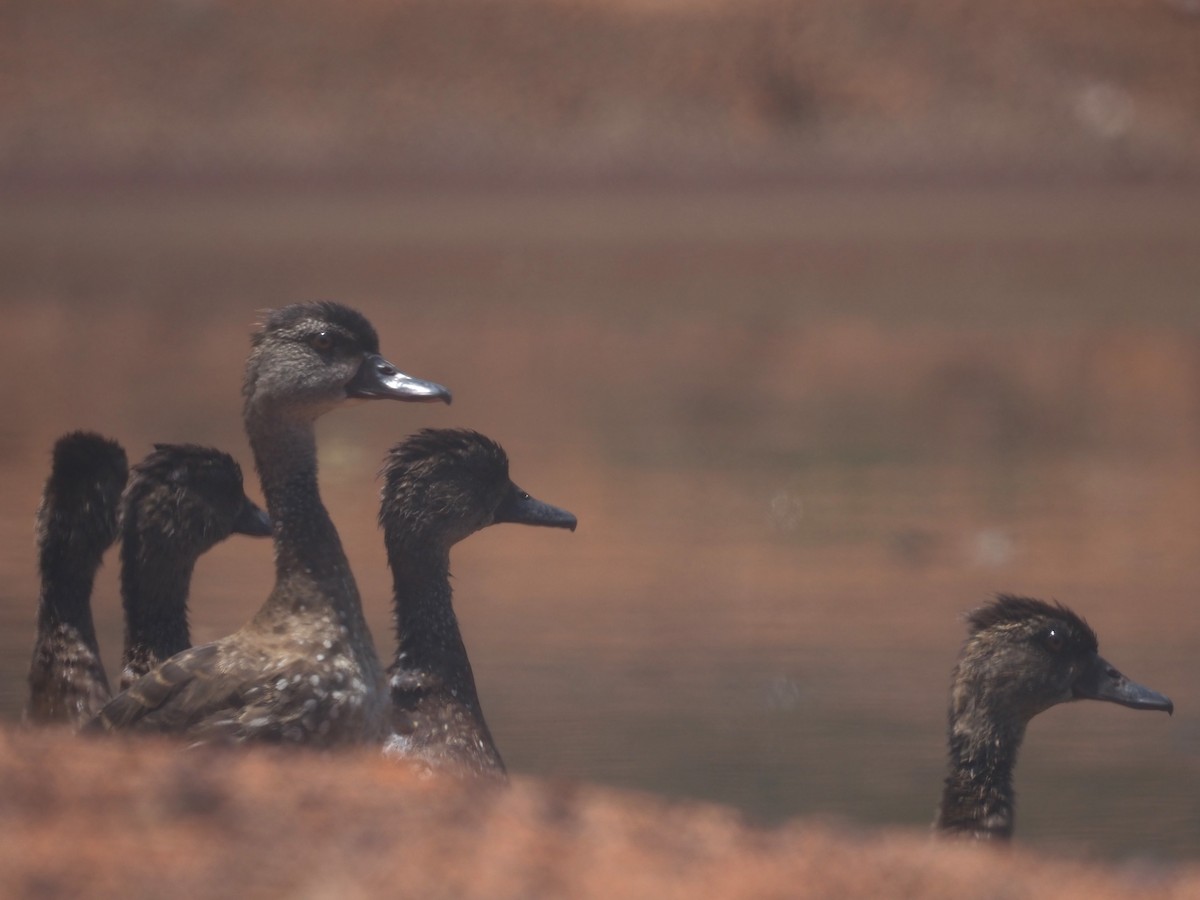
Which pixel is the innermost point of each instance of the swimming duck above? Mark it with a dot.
(76, 523)
(1021, 657)
(303, 670)
(181, 500)
(441, 486)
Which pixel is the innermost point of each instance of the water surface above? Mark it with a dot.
(803, 431)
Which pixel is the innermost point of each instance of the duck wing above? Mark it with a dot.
(227, 693)
(181, 692)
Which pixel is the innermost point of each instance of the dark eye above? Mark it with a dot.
(1054, 640)
(322, 342)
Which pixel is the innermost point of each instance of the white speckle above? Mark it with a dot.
(1105, 108)
(320, 657)
(787, 509)
(397, 745)
(314, 680)
(992, 547)
(784, 693)
(281, 684)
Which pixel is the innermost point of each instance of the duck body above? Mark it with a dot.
(1021, 657)
(76, 523)
(304, 668)
(440, 487)
(180, 502)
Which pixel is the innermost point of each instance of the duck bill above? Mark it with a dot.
(252, 520)
(378, 379)
(1103, 682)
(521, 509)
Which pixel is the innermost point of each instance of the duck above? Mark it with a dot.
(76, 524)
(441, 486)
(1021, 657)
(303, 670)
(180, 502)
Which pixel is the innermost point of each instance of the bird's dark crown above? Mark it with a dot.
(206, 469)
(301, 320)
(81, 456)
(1008, 610)
(445, 446)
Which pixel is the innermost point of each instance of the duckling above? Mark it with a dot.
(440, 487)
(1021, 657)
(303, 670)
(76, 523)
(181, 500)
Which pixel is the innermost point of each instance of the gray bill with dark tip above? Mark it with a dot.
(518, 507)
(252, 521)
(378, 379)
(1102, 681)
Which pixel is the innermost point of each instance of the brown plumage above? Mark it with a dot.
(76, 523)
(180, 502)
(1021, 657)
(304, 669)
(441, 486)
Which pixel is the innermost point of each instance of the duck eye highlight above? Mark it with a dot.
(1054, 640)
(322, 342)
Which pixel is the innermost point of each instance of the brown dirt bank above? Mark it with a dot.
(580, 87)
(132, 819)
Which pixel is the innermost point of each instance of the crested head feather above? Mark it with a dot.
(82, 456)
(1008, 609)
(82, 495)
(342, 317)
(180, 464)
(445, 443)
(168, 458)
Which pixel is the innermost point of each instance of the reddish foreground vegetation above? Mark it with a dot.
(110, 818)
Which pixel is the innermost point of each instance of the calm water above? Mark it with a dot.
(803, 432)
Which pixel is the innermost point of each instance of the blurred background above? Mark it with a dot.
(828, 319)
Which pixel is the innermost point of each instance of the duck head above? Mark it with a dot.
(445, 484)
(1024, 656)
(310, 357)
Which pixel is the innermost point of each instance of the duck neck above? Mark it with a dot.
(68, 573)
(978, 799)
(310, 565)
(154, 589)
(427, 634)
